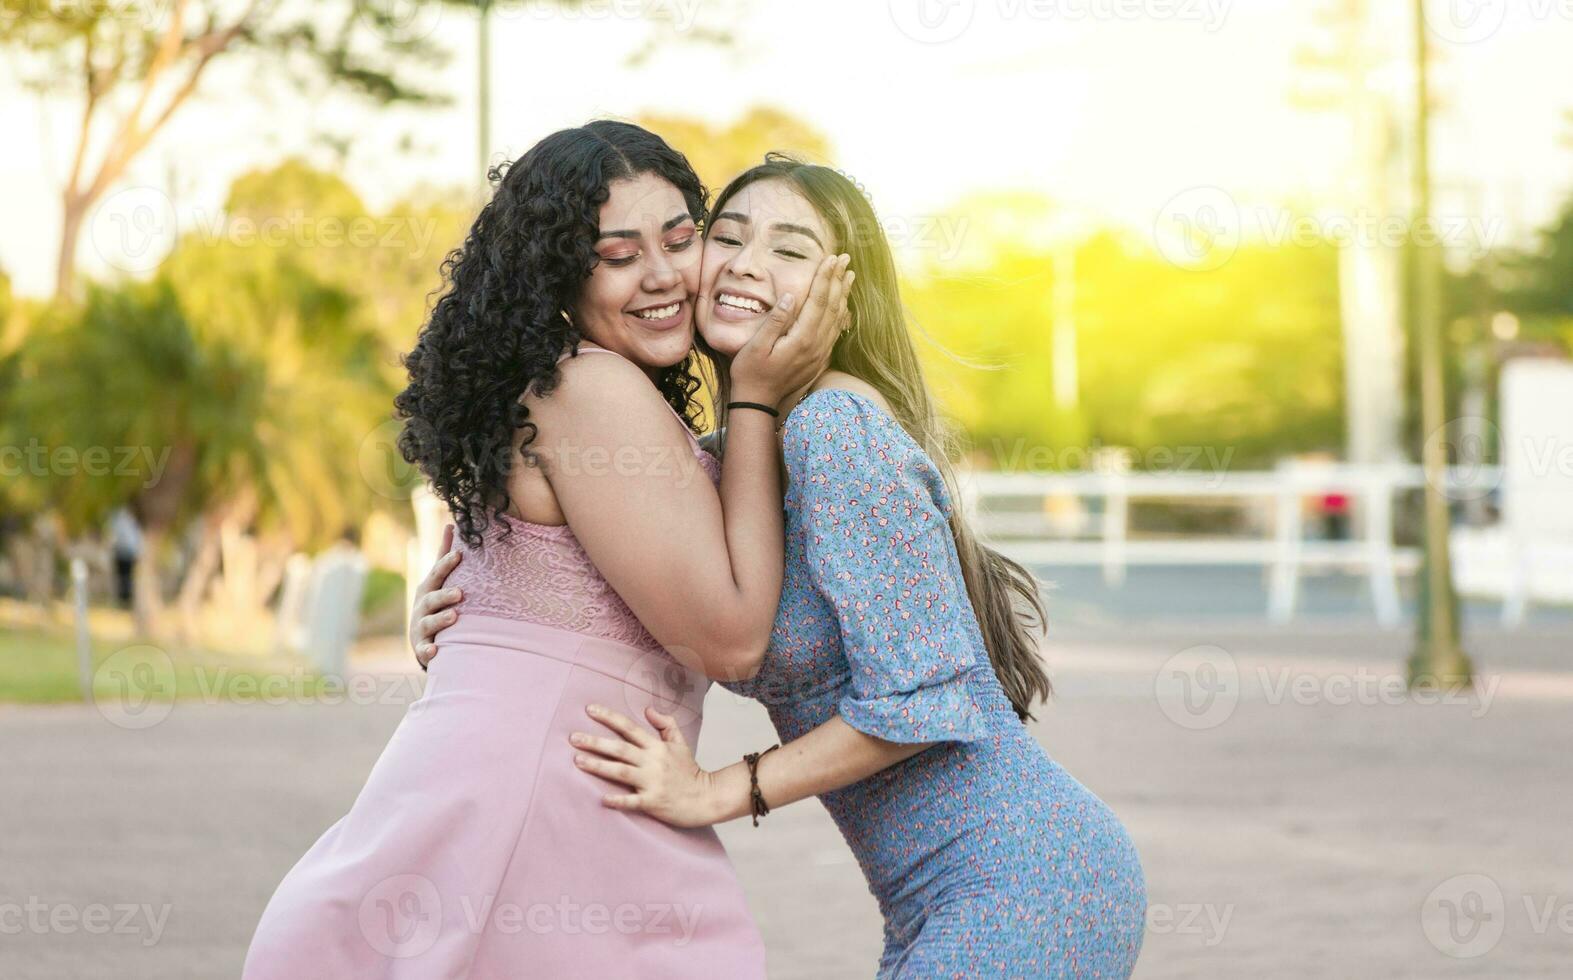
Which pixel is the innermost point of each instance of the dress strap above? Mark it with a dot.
(584, 347)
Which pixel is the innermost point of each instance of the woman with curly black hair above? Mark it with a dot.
(592, 526)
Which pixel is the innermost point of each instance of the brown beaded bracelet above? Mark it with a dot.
(756, 799)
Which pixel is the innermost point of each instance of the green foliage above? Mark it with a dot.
(300, 281)
(105, 396)
(383, 588)
(10, 376)
(252, 368)
(1537, 284)
(1244, 360)
(357, 46)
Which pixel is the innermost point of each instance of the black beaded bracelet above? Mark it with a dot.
(756, 800)
(762, 408)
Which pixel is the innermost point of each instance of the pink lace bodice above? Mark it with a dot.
(539, 573)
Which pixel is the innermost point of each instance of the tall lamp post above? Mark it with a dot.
(1438, 659)
(483, 63)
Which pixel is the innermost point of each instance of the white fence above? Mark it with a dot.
(1283, 550)
(1527, 555)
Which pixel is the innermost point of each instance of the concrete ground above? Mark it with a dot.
(1296, 815)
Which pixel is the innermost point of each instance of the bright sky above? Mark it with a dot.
(1115, 106)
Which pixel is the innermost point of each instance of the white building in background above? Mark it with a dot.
(1528, 555)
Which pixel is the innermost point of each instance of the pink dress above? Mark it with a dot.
(477, 849)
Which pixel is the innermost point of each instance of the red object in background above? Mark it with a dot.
(1335, 503)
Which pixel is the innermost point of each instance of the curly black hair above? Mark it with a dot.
(498, 328)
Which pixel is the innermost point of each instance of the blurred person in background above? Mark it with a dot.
(125, 546)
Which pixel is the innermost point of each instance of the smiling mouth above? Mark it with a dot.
(659, 312)
(744, 304)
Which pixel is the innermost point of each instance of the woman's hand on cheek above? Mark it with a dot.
(825, 315)
(793, 346)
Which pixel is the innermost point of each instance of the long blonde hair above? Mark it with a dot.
(878, 349)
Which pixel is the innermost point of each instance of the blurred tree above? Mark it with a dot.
(27, 557)
(1244, 361)
(319, 296)
(134, 64)
(240, 385)
(719, 153)
(1537, 284)
(674, 25)
(114, 404)
(10, 320)
(20, 318)
(10, 367)
(400, 281)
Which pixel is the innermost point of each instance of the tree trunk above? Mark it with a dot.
(276, 552)
(71, 218)
(157, 509)
(195, 586)
(36, 549)
(147, 597)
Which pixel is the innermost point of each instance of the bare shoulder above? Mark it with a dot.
(842, 381)
(603, 407)
(596, 384)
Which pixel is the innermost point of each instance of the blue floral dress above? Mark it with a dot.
(987, 858)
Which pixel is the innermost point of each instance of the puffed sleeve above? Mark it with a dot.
(876, 512)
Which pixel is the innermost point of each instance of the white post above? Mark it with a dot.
(332, 608)
(1116, 523)
(1283, 592)
(1536, 395)
(1515, 595)
(84, 638)
(1378, 495)
(289, 636)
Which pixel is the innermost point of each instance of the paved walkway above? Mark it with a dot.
(1296, 816)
